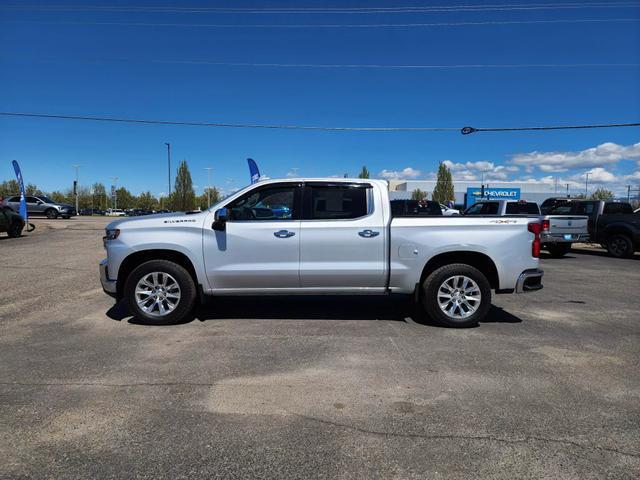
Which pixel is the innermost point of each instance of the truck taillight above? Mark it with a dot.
(545, 225)
(535, 228)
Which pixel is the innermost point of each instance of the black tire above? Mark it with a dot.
(187, 292)
(620, 246)
(51, 213)
(15, 230)
(432, 284)
(558, 250)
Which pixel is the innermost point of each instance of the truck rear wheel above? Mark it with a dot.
(456, 295)
(558, 250)
(15, 230)
(620, 246)
(160, 292)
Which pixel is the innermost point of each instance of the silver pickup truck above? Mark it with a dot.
(318, 236)
(558, 231)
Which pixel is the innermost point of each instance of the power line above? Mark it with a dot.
(348, 65)
(322, 10)
(332, 25)
(464, 131)
(469, 130)
(229, 125)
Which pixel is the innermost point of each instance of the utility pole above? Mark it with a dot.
(115, 192)
(76, 185)
(628, 193)
(208, 169)
(169, 164)
(568, 191)
(586, 184)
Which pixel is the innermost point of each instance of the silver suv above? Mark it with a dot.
(42, 205)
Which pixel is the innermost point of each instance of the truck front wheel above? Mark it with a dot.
(456, 295)
(160, 292)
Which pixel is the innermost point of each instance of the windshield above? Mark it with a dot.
(46, 199)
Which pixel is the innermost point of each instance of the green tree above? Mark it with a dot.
(214, 195)
(9, 188)
(147, 201)
(32, 189)
(602, 194)
(364, 173)
(443, 192)
(100, 200)
(58, 196)
(419, 195)
(125, 199)
(183, 198)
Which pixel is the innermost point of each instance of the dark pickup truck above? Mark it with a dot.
(611, 224)
(10, 222)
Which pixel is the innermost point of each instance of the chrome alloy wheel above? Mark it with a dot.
(459, 297)
(157, 294)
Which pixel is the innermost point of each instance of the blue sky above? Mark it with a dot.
(62, 62)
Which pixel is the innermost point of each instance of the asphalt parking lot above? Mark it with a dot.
(549, 387)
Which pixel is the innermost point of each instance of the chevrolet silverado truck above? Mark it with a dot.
(559, 229)
(322, 237)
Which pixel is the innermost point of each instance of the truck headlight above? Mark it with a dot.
(112, 234)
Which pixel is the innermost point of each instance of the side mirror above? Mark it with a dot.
(220, 220)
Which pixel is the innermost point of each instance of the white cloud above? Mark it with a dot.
(470, 171)
(406, 173)
(293, 173)
(604, 154)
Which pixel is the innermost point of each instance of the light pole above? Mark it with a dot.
(208, 169)
(586, 184)
(115, 192)
(567, 190)
(76, 166)
(169, 165)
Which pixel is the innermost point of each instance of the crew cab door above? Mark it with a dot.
(260, 246)
(342, 238)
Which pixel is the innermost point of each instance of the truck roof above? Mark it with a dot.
(383, 183)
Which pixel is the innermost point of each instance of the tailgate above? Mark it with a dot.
(561, 225)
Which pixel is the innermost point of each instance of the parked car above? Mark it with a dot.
(136, 212)
(42, 205)
(613, 225)
(91, 211)
(340, 238)
(447, 211)
(412, 208)
(559, 230)
(10, 222)
(115, 212)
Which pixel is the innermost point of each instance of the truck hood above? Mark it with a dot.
(157, 220)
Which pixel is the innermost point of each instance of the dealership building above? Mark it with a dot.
(467, 193)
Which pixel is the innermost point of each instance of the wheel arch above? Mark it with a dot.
(478, 260)
(618, 229)
(138, 258)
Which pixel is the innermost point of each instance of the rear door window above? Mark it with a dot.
(522, 208)
(617, 208)
(336, 202)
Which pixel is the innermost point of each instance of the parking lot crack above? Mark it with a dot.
(480, 438)
(108, 385)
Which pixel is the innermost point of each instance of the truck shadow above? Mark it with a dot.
(395, 308)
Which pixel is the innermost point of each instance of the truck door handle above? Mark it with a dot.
(284, 234)
(368, 233)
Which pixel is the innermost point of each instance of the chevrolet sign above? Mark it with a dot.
(474, 194)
